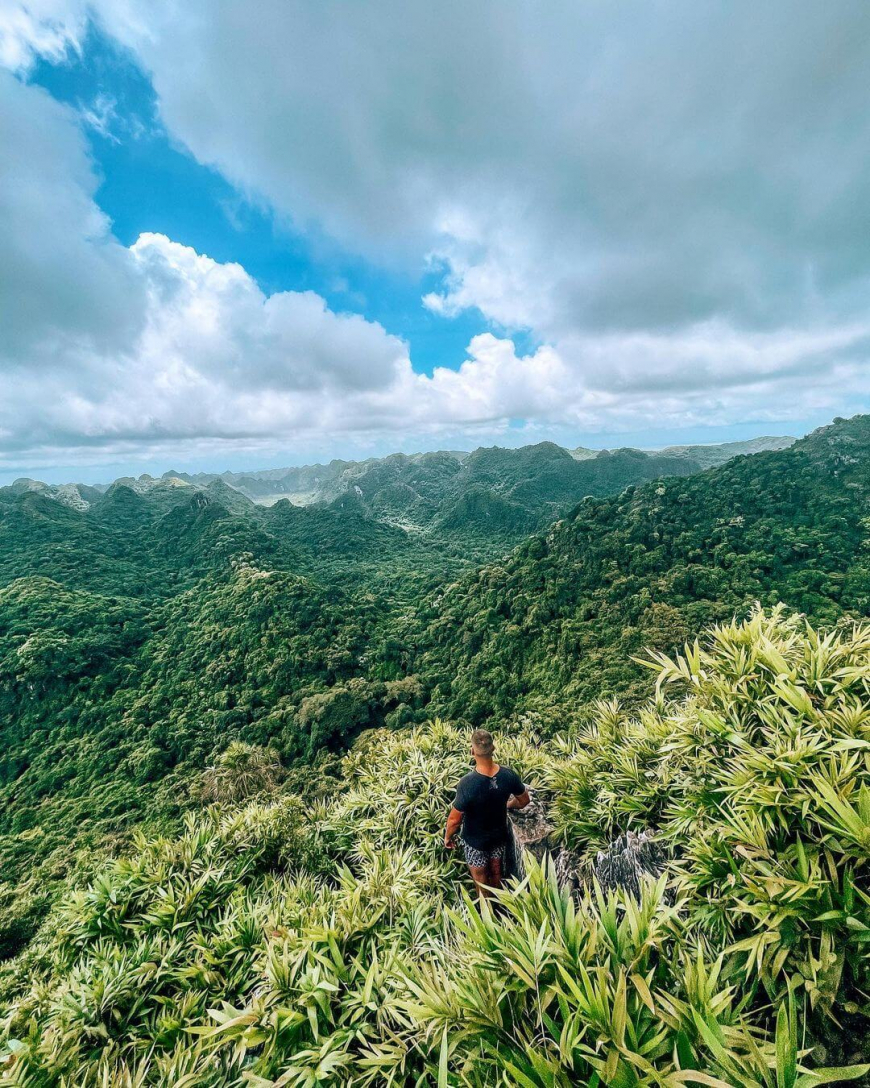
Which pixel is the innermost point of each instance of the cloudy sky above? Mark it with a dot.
(237, 235)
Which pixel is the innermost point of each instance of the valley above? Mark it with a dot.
(152, 626)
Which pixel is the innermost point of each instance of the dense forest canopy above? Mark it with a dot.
(147, 629)
(272, 942)
(422, 481)
(558, 619)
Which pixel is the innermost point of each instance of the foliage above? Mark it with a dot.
(505, 492)
(146, 630)
(241, 771)
(557, 621)
(110, 716)
(760, 780)
(333, 943)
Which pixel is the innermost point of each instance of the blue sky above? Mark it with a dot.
(150, 183)
(237, 239)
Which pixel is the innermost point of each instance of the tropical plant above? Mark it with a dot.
(760, 782)
(335, 944)
(241, 771)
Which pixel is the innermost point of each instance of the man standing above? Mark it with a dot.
(480, 806)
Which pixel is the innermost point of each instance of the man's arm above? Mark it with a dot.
(520, 800)
(454, 822)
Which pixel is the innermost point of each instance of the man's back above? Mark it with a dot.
(483, 802)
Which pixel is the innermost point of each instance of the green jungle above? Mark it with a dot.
(233, 710)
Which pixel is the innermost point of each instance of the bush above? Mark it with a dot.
(332, 944)
(760, 782)
(241, 771)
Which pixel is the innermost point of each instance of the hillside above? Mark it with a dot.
(142, 635)
(480, 503)
(710, 456)
(156, 539)
(490, 498)
(271, 942)
(412, 516)
(316, 483)
(556, 622)
(528, 486)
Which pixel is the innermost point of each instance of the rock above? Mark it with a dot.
(531, 834)
(626, 863)
(628, 860)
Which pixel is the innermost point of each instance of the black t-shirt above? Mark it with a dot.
(483, 803)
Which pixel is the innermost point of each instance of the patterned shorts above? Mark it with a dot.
(479, 859)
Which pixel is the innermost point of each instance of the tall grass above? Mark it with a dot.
(272, 944)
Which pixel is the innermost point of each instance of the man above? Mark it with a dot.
(480, 806)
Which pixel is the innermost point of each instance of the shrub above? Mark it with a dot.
(241, 771)
(332, 944)
(759, 779)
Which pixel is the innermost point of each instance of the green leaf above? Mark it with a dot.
(443, 1060)
(831, 1075)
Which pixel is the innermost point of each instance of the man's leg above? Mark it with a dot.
(488, 876)
(494, 871)
(481, 879)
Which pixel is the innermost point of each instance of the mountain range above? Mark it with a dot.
(144, 632)
(505, 492)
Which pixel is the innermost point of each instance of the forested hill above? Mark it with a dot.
(144, 629)
(501, 492)
(486, 500)
(151, 537)
(425, 480)
(555, 624)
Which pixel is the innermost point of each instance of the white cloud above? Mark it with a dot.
(101, 116)
(636, 179)
(65, 283)
(39, 28)
(669, 197)
(706, 375)
(103, 344)
(577, 167)
(214, 318)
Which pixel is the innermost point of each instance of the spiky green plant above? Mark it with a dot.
(277, 945)
(759, 779)
(552, 993)
(241, 771)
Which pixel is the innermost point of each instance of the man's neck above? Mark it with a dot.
(485, 765)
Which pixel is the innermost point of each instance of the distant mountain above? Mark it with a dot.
(154, 537)
(557, 621)
(77, 496)
(343, 516)
(492, 494)
(709, 456)
(430, 476)
(458, 493)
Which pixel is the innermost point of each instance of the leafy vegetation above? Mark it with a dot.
(332, 943)
(169, 648)
(417, 486)
(144, 630)
(557, 622)
(110, 715)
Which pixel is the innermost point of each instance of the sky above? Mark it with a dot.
(238, 236)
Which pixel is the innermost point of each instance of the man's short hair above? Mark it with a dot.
(482, 742)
